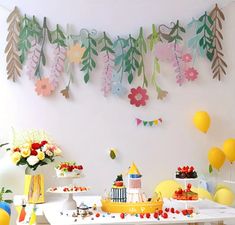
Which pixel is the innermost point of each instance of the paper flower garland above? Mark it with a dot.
(123, 57)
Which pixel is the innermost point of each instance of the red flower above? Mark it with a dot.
(34, 152)
(138, 96)
(187, 57)
(43, 143)
(35, 146)
(16, 150)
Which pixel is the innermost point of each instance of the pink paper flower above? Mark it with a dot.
(191, 74)
(43, 87)
(187, 57)
(138, 96)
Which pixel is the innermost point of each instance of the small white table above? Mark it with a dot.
(210, 212)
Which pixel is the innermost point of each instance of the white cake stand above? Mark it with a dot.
(69, 203)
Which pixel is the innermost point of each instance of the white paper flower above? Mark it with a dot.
(32, 160)
(49, 153)
(45, 147)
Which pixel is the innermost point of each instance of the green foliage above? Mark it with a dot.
(142, 47)
(45, 34)
(29, 29)
(88, 61)
(153, 38)
(176, 33)
(131, 58)
(206, 41)
(58, 37)
(5, 191)
(107, 44)
(119, 60)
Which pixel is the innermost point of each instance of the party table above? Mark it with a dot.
(208, 213)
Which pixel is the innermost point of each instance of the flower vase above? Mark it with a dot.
(34, 187)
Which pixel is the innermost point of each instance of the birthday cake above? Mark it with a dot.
(186, 172)
(130, 199)
(68, 169)
(186, 195)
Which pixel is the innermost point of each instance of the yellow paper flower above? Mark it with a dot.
(75, 53)
(41, 155)
(15, 157)
(25, 150)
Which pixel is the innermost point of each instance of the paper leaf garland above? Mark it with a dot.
(142, 48)
(88, 61)
(108, 55)
(218, 64)
(131, 58)
(150, 123)
(123, 57)
(13, 61)
(58, 39)
(153, 38)
(206, 41)
(161, 94)
(29, 30)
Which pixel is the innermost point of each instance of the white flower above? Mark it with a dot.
(49, 153)
(57, 152)
(32, 160)
(45, 147)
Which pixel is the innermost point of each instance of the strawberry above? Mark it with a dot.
(122, 215)
(177, 211)
(192, 168)
(160, 212)
(97, 215)
(148, 215)
(189, 186)
(185, 212)
(141, 216)
(172, 210)
(179, 169)
(190, 211)
(155, 215)
(165, 215)
(167, 209)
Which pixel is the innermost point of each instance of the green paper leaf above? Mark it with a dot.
(130, 78)
(112, 154)
(210, 169)
(86, 78)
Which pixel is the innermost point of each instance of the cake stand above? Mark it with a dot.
(69, 203)
(186, 181)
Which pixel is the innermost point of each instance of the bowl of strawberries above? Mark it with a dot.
(68, 169)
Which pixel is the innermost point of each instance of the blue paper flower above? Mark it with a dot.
(118, 89)
(116, 77)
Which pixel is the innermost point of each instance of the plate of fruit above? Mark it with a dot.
(68, 169)
(68, 189)
(185, 195)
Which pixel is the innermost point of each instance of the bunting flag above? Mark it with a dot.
(124, 57)
(149, 123)
(22, 214)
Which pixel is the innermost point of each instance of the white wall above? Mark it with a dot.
(88, 124)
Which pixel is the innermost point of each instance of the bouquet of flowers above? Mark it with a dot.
(33, 149)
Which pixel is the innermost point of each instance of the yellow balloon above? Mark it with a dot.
(167, 188)
(4, 217)
(229, 149)
(202, 121)
(202, 193)
(216, 157)
(224, 196)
